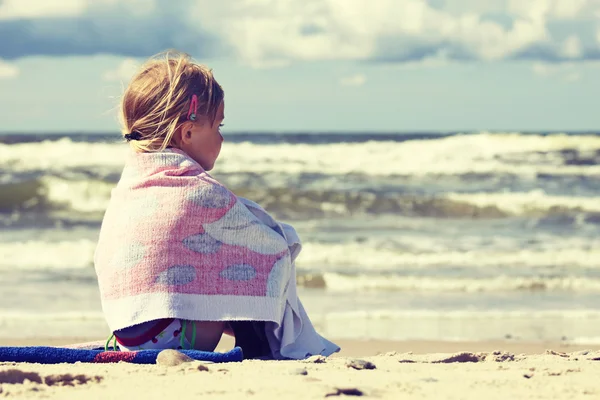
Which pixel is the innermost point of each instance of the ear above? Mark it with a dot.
(185, 132)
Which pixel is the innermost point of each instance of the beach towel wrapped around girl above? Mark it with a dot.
(175, 243)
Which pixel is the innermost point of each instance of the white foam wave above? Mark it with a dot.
(80, 195)
(350, 257)
(527, 325)
(29, 325)
(484, 314)
(521, 203)
(93, 195)
(69, 316)
(47, 255)
(585, 341)
(63, 154)
(353, 257)
(478, 153)
(344, 283)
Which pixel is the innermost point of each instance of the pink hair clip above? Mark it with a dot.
(193, 108)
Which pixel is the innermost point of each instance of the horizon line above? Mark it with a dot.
(327, 132)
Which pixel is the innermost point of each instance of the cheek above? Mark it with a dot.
(218, 140)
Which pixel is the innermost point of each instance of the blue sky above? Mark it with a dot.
(312, 65)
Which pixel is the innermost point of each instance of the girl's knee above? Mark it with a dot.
(208, 334)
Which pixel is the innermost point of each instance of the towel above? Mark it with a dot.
(176, 243)
(58, 355)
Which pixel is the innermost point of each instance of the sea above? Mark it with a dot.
(470, 236)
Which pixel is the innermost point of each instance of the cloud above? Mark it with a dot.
(540, 9)
(572, 48)
(404, 31)
(8, 71)
(123, 72)
(353, 80)
(17, 9)
(132, 28)
(265, 33)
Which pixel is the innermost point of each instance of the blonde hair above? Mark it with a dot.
(157, 100)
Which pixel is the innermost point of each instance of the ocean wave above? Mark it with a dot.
(484, 153)
(359, 283)
(377, 258)
(567, 326)
(91, 196)
(23, 317)
(471, 314)
(63, 155)
(42, 255)
(25, 324)
(534, 202)
(357, 256)
(67, 316)
(47, 193)
(586, 341)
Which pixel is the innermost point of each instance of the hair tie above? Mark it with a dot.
(193, 108)
(135, 135)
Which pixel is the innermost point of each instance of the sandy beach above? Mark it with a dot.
(378, 369)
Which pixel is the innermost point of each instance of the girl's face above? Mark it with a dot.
(202, 140)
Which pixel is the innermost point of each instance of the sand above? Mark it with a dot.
(434, 370)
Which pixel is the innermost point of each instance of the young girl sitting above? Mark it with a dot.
(180, 258)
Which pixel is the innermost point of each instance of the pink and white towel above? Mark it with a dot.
(175, 243)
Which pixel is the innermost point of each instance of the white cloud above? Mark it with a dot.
(572, 47)
(574, 8)
(268, 33)
(353, 80)
(8, 71)
(533, 9)
(14, 9)
(395, 30)
(552, 9)
(123, 72)
(571, 8)
(342, 29)
(440, 59)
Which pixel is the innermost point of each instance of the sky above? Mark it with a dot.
(312, 65)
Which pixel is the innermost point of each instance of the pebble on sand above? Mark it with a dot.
(360, 364)
(316, 359)
(171, 358)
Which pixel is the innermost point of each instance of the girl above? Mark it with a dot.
(181, 259)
